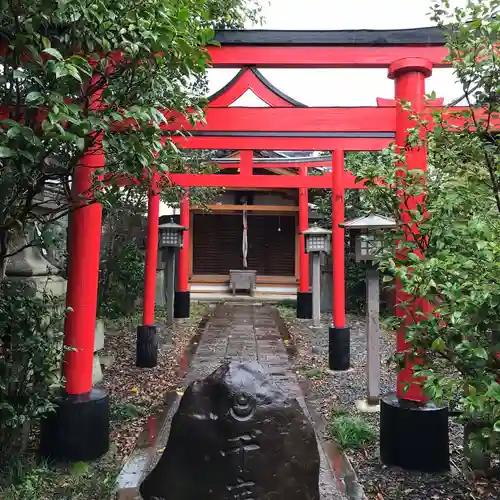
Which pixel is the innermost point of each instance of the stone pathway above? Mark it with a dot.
(244, 332)
(239, 332)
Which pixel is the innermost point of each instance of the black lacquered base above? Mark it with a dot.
(414, 436)
(78, 431)
(146, 355)
(182, 304)
(304, 305)
(339, 348)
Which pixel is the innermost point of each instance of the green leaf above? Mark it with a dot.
(438, 345)
(480, 352)
(54, 53)
(73, 71)
(6, 152)
(34, 97)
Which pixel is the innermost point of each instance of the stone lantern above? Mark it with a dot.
(366, 245)
(317, 241)
(365, 235)
(170, 235)
(169, 241)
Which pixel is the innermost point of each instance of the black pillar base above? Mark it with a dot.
(146, 355)
(413, 435)
(182, 304)
(78, 431)
(304, 305)
(339, 348)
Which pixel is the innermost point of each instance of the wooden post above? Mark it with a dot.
(304, 296)
(339, 336)
(148, 314)
(182, 294)
(373, 333)
(409, 76)
(169, 285)
(147, 339)
(316, 288)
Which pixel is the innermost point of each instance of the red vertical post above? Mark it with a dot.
(78, 429)
(339, 332)
(409, 75)
(304, 296)
(147, 338)
(182, 294)
(414, 433)
(148, 313)
(246, 162)
(83, 275)
(338, 239)
(183, 282)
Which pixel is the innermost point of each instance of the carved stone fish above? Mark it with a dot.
(236, 436)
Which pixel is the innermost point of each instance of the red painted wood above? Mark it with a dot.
(409, 87)
(183, 269)
(303, 225)
(382, 101)
(246, 159)
(338, 239)
(248, 81)
(236, 119)
(321, 57)
(148, 313)
(283, 164)
(83, 276)
(282, 143)
(267, 181)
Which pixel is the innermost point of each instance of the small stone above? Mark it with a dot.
(316, 349)
(236, 435)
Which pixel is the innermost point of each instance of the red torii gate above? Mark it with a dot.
(409, 56)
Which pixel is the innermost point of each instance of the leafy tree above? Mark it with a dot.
(458, 219)
(57, 58)
(72, 72)
(356, 204)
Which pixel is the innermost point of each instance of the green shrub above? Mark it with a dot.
(121, 280)
(24, 478)
(351, 432)
(31, 346)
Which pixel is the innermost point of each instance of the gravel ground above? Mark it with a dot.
(137, 393)
(342, 390)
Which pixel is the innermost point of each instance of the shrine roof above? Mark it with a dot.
(250, 78)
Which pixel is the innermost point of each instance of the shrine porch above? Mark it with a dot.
(257, 299)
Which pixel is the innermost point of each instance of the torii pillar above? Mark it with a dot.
(78, 430)
(339, 334)
(304, 295)
(413, 430)
(147, 335)
(182, 299)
